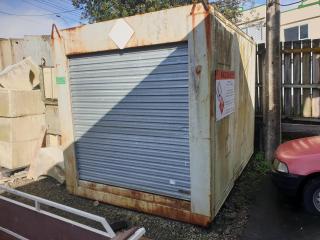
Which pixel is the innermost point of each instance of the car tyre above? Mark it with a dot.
(311, 196)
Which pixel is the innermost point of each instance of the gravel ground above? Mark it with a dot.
(228, 225)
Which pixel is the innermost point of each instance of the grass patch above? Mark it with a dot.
(261, 166)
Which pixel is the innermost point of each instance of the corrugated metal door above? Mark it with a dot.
(131, 118)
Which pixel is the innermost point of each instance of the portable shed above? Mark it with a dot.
(142, 123)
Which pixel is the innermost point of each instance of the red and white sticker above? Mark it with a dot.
(224, 93)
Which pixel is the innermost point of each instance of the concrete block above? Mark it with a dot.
(17, 154)
(53, 140)
(52, 119)
(15, 103)
(23, 75)
(21, 128)
(49, 81)
(50, 162)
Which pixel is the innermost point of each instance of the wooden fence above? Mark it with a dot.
(300, 80)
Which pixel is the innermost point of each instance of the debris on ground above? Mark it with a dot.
(10, 178)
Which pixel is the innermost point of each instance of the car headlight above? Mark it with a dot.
(280, 166)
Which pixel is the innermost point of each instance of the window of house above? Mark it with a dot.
(304, 31)
(291, 34)
(296, 33)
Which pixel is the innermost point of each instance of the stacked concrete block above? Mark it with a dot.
(23, 75)
(22, 122)
(17, 103)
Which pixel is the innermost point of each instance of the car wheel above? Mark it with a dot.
(311, 196)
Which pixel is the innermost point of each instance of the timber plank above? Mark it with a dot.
(296, 79)
(316, 79)
(306, 79)
(287, 104)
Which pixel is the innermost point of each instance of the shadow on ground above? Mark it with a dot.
(275, 216)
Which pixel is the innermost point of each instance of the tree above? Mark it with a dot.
(231, 9)
(100, 10)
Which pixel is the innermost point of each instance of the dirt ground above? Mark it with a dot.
(228, 225)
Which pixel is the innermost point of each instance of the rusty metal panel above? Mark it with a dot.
(131, 118)
(232, 136)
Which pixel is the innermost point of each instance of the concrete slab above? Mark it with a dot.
(21, 128)
(50, 162)
(23, 75)
(17, 154)
(16, 103)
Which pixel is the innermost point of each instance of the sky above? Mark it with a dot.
(16, 26)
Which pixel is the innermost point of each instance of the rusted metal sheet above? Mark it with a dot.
(149, 203)
(137, 195)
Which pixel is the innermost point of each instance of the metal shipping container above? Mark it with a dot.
(157, 110)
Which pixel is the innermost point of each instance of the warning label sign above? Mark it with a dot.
(224, 93)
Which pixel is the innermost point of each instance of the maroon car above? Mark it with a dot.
(296, 170)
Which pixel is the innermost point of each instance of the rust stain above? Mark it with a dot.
(137, 195)
(76, 28)
(211, 105)
(74, 42)
(198, 69)
(54, 27)
(207, 23)
(192, 13)
(208, 28)
(199, 7)
(172, 212)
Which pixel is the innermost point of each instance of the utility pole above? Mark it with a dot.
(272, 84)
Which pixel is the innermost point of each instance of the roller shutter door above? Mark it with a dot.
(131, 118)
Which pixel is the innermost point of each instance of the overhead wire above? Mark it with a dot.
(60, 8)
(32, 15)
(58, 13)
(75, 14)
(26, 19)
(289, 4)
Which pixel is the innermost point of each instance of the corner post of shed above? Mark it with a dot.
(199, 114)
